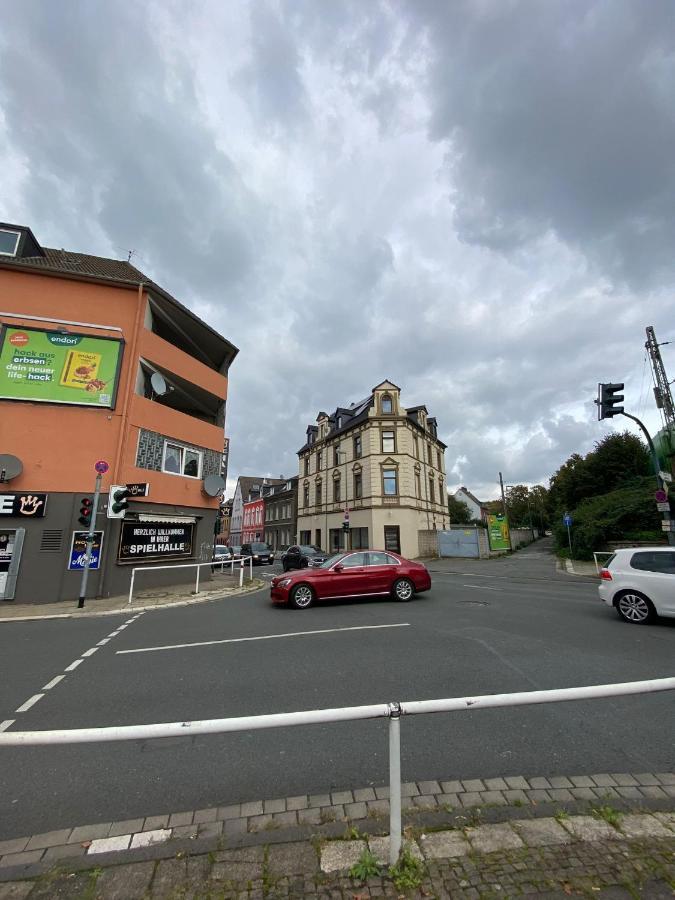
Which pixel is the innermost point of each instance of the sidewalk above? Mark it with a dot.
(151, 598)
(604, 835)
(578, 567)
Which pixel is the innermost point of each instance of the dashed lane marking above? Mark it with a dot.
(73, 665)
(90, 651)
(480, 587)
(53, 682)
(30, 702)
(262, 637)
(5, 725)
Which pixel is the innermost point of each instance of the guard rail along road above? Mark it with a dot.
(392, 711)
(215, 564)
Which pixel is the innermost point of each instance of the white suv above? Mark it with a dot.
(640, 583)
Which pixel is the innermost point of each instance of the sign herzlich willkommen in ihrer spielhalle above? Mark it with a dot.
(155, 540)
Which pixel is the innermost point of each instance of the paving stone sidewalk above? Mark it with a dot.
(153, 598)
(474, 838)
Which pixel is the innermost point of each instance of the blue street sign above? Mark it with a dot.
(78, 549)
(567, 519)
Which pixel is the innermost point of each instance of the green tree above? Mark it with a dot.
(458, 511)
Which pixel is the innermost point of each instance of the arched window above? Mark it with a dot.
(386, 404)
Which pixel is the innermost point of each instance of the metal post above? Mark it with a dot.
(657, 471)
(569, 539)
(501, 485)
(197, 579)
(131, 586)
(250, 567)
(394, 782)
(241, 573)
(90, 543)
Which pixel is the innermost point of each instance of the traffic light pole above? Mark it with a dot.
(661, 485)
(90, 543)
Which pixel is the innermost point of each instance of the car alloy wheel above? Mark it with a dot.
(634, 608)
(403, 590)
(302, 596)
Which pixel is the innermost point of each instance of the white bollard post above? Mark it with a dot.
(131, 585)
(394, 782)
(197, 579)
(250, 567)
(241, 574)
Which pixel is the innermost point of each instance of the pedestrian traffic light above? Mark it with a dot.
(117, 501)
(345, 526)
(609, 395)
(86, 511)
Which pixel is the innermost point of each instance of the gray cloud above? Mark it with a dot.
(472, 199)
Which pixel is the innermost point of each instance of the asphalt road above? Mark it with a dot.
(485, 627)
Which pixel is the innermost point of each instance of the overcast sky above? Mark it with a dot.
(475, 200)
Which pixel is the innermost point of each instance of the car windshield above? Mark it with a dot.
(326, 564)
(307, 549)
(259, 548)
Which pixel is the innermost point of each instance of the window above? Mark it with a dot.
(358, 485)
(305, 495)
(416, 445)
(307, 465)
(336, 455)
(359, 538)
(181, 460)
(9, 242)
(387, 406)
(440, 461)
(388, 442)
(654, 562)
(318, 460)
(357, 446)
(318, 494)
(381, 559)
(432, 498)
(305, 537)
(336, 490)
(353, 560)
(429, 453)
(389, 482)
(418, 485)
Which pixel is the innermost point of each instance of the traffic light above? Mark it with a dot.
(345, 526)
(609, 395)
(117, 501)
(86, 511)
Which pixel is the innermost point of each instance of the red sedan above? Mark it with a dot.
(364, 573)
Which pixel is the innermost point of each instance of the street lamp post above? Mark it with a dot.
(347, 534)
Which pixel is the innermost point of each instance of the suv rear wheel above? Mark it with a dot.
(634, 607)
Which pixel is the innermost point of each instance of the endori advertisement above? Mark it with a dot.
(498, 533)
(59, 367)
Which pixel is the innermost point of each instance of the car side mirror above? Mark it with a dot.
(338, 568)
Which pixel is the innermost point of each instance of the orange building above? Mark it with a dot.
(99, 363)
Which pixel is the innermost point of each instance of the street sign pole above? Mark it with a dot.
(90, 542)
(569, 539)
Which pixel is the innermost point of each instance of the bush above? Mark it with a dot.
(630, 510)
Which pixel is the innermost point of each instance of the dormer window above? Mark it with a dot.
(386, 404)
(9, 242)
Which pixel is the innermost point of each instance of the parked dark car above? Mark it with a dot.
(365, 573)
(261, 553)
(301, 556)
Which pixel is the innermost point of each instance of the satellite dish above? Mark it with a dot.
(10, 466)
(213, 485)
(158, 384)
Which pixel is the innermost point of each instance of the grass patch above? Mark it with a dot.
(561, 815)
(408, 871)
(608, 814)
(366, 867)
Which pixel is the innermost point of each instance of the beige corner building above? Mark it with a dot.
(379, 466)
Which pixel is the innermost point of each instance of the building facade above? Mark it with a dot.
(477, 510)
(224, 522)
(98, 364)
(281, 514)
(248, 488)
(253, 521)
(377, 465)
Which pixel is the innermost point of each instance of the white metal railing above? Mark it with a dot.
(214, 564)
(392, 711)
(598, 553)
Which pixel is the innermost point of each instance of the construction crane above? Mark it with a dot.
(662, 393)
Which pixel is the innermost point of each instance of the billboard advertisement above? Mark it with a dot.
(78, 550)
(498, 532)
(59, 367)
(155, 540)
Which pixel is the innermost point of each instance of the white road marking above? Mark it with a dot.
(73, 665)
(53, 682)
(31, 702)
(5, 725)
(90, 651)
(479, 587)
(103, 642)
(263, 637)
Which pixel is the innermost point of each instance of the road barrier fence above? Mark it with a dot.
(214, 564)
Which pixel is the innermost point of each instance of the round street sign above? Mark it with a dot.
(660, 496)
(567, 519)
(101, 467)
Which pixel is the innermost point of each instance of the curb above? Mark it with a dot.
(433, 805)
(256, 585)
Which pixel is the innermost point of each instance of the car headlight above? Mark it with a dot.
(283, 583)
(255, 556)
